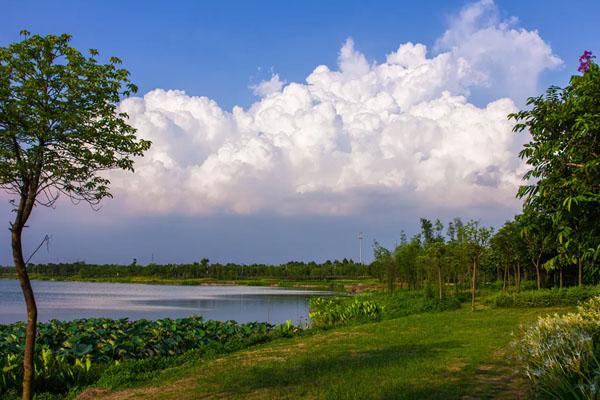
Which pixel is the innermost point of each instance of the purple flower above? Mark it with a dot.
(585, 60)
(586, 54)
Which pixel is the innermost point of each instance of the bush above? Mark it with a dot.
(545, 297)
(560, 353)
(328, 312)
(403, 303)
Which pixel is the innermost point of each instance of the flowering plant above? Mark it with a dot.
(560, 353)
(585, 61)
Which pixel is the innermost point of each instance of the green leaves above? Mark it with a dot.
(329, 312)
(564, 160)
(59, 120)
(69, 350)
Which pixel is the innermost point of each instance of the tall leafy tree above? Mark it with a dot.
(434, 250)
(387, 264)
(59, 129)
(478, 238)
(510, 250)
(564, 160)
(536, 229)
(406, 255)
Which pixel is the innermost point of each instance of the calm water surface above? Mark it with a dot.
(72, 300)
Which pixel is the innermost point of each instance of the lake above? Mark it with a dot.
(73, 300)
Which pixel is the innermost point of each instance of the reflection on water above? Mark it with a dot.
(72, 300)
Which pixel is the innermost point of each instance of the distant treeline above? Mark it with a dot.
(204, 269)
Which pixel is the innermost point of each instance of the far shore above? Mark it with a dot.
(335, 285)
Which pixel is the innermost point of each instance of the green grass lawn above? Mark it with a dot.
(447, 355)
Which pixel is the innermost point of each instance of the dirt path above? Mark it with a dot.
(498, 380)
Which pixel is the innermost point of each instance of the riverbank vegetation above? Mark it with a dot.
(75, 353)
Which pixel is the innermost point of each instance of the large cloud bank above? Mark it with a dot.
(398, 133)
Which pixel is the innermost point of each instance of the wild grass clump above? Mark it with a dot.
(545, 297)
(560, 354)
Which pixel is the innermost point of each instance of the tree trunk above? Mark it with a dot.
(473, 285)
(560, 278)
(28, 369)
(518, 281)
(537, 274)
(440, 282)
(580, 265)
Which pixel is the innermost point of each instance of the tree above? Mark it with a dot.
(406, 255)
(508, 247)
(458, 252)
(564, 160)
(535, 229)
(434, 250)
(59, 129)
(478, 238)
(387, 264)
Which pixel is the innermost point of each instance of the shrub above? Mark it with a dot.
(328, 312)
(403, 303)
(560, 353)
(544, 297)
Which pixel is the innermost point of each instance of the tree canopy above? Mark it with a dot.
(59, 121)
(564, 160)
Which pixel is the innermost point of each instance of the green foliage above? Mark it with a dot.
(329, 312)
(403, 303)
(385, 262)
(59, 121)
(561, 353)
(564, 160)
(545, 297)
(72, 353)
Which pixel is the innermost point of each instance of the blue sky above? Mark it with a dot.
(217, 49)
(221, 50)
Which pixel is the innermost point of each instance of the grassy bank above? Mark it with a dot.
(342, 285)
(446, 355)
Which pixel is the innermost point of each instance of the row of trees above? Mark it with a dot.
(458, 256)
(204, 269)
(436, 257)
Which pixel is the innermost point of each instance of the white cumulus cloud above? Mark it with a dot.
(268, 87)
(397, 133)
(508, 59)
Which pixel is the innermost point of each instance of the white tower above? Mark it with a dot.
(360, 247)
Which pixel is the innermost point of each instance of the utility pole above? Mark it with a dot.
(360, 247)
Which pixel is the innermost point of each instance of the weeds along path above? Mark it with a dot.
(448, 355)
